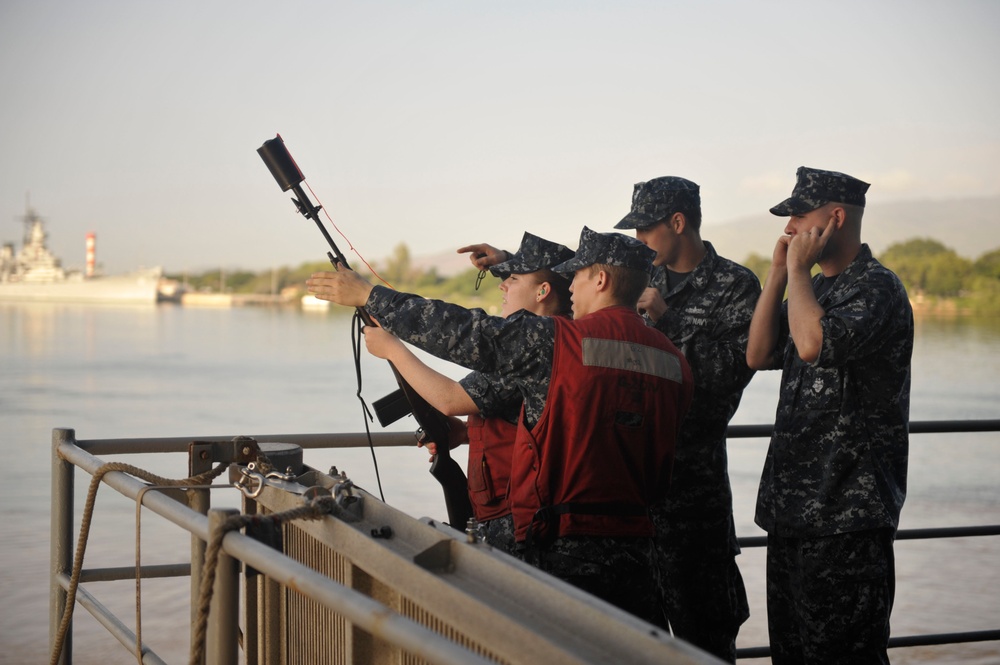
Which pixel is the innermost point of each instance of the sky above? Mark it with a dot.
(438, 124)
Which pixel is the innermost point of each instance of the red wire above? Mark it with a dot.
(350, 245)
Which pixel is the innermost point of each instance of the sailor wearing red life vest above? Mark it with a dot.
(530, 288)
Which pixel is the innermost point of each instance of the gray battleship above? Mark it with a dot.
(35, 274)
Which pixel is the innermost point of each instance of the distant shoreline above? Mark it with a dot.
(944, 308)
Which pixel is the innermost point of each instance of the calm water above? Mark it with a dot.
(171, 371)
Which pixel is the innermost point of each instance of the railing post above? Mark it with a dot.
(262, 619)
(60, 540)
(199, 461)
(223, 618)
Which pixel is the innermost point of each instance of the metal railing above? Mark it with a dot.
(916, 427)
(425, 595)
(191, 514)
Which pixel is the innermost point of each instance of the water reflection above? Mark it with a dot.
(171, 371)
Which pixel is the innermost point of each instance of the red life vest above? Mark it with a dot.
(603, 448)
(491, 443)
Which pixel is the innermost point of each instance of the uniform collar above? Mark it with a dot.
(701, 276)
(855, 269)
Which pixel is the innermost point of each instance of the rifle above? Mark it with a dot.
(404, 400)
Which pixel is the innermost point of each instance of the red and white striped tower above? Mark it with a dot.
(91, 251)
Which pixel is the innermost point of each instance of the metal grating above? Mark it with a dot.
(420, 614)
(410, 592)
(304, 618)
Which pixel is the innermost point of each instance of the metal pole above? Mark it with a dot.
(223, 616)
(60, 540)
(262, 619)
(199, 500)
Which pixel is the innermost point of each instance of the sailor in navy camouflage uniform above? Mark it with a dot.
(703, 303)
(530, 288)
(618, 569)
(834, 478)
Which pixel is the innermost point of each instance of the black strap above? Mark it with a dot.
(546, 514)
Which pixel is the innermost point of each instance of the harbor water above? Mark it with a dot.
(159, 371)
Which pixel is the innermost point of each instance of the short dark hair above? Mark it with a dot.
(854, 213)
(627, 284)
(693, 216)
(560, 289)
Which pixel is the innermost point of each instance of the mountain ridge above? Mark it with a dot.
(966, 225)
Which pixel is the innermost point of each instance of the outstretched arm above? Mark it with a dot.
(344, 287)
(444, 394)
(483, 256)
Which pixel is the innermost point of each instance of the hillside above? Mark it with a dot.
(969, 226)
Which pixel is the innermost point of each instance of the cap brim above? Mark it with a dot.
(793, 206)
(515, 266)
(635, 221)
(570, 267)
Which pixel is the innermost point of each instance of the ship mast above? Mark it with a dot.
(30, 219)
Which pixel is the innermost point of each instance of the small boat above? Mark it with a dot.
(309, 302)
(35, 274)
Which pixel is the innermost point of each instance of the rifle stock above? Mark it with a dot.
(433, 423)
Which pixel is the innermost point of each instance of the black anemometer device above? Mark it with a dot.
(405, 400)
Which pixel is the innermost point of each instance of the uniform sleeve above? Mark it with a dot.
(445, 330)
(784, 339)
(857, 324)
(493, 395)
(518, 348)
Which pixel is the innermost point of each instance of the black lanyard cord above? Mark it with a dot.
(356, 326)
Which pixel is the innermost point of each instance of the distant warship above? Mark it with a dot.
(35, 274)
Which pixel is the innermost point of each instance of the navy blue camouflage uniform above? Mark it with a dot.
(707, 317)
(834, 479)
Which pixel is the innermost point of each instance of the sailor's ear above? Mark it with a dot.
(839, 216)
(678, 222)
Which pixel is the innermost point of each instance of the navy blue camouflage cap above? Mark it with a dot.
(533, 255)
(815, 188)
(655, 200)
(613, 249)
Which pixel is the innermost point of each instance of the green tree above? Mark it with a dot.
(398, 267)
(982, 295)
(927, 266)
(240, 281)
(988, 265)
(758, 265)
(947, 274)
(426, 279)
